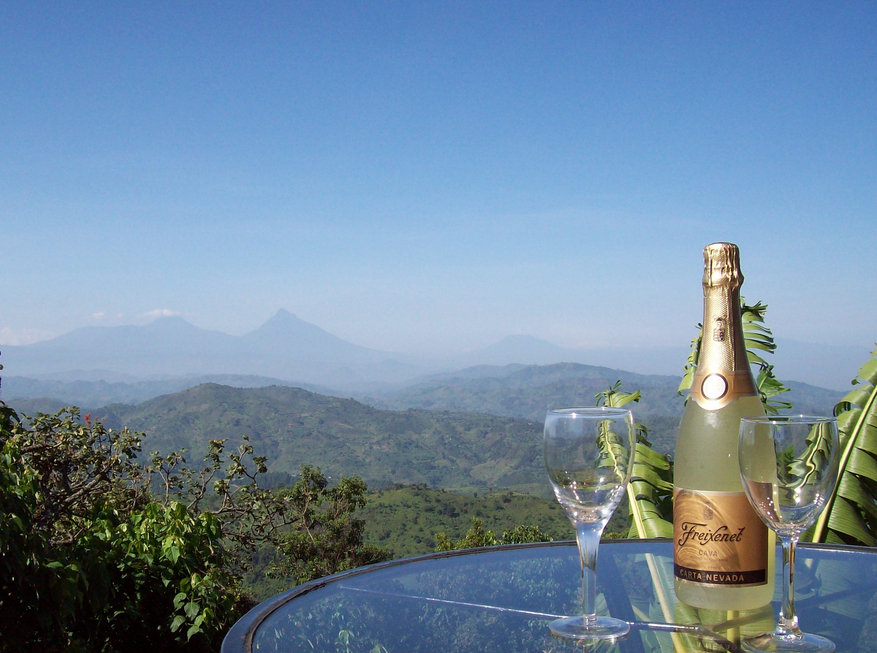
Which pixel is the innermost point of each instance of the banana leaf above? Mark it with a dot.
(650, 491)
(756, 335)
(757, 338)
(691, 364)
(850, 514)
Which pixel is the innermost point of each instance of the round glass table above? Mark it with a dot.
(502, 598)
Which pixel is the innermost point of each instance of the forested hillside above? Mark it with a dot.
(291, 426)
(475, 429)
(527, 391)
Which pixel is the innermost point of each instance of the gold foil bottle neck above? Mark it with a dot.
(723, 374)
(721, 266)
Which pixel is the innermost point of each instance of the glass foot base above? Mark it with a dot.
(591, 628)
(802, 643)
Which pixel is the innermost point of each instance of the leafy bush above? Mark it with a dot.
(100, 553)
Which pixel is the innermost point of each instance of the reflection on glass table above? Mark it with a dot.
(502, 599)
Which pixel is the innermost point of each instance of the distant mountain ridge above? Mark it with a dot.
(89, 394)
(521, 349)
(296, 352)
(528, 391)
(285, 347)
(478, 429)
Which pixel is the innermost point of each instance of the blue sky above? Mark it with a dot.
(426, 177)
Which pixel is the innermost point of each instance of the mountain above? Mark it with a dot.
(288, 347)
(529, 391)
(285, 347)
(295, 352)
(477, 430)
(819, 365)
(166, 346)
(809, 399)
(292, 426)
(528, 350)
(295, 337)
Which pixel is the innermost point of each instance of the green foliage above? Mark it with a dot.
(524, 534)
(650, 492)
(757, 338)
(164, 563)
(406, 518)
(327, 538)
(89, 561)
(850, 515)
(98, 553)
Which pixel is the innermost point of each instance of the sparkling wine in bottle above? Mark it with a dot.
(723, 554)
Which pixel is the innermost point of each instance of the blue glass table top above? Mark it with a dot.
(502, 598)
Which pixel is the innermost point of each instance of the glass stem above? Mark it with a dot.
(787, 624)
(588, 537)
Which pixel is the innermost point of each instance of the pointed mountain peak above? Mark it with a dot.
(285, 324)
(282, 316)
(286, 332)
(283, 320)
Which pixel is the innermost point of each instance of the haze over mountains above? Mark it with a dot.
(414, 420)
(284, 347)
(97, 365)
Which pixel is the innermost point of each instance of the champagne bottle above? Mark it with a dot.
(723, 554)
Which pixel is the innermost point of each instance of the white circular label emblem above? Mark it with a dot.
(714, 386)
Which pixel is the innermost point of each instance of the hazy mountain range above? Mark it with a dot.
(183, 385)
(461, 432)
(129, 364)
(284, 347)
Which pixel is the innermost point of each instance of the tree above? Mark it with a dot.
(327, 538)
(101, 553)
(476, 536)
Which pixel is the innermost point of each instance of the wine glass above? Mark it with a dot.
(789, 467)
(589, 456)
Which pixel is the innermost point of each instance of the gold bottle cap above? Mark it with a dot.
(721, 266)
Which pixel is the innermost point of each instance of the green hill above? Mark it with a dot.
(528, 391)
(292, 426)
